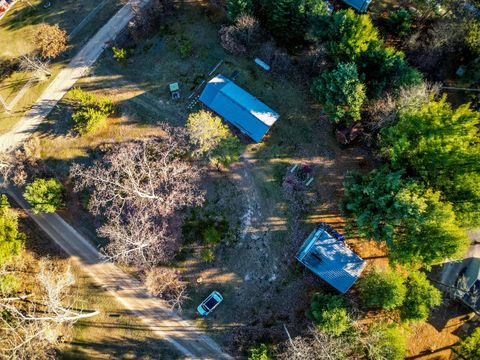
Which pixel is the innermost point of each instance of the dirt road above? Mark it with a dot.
(78, 67)
(181, 334)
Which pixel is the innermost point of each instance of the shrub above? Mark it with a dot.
(185, 48)
(420, 298)
(212, 229)
(469, 348)
(230, 42)
(278, 59)
(341, 93)
(382, 289)
(247, 30)
(385, 342)
(44, 195)
(166, 284)
(119, 54)
(91, 111)
(9, 284)
(208, 255)
(259, 352)
(329, 313)
(88, 121)
(472, 36)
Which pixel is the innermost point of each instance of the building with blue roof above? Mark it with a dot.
(359, 5)
(238, 107)
(331, 259)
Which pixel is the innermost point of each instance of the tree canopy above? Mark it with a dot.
(44, 195)
(329, 313)
(386, 342)
(348, 34)
(382, 289)
(237, 8)
(441, 146)
(11, 239)
(213, 138)
(341, 93)
(417, 226)
(469, 348)
(421, 297)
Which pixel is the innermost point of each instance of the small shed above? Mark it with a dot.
(331, 259)
(238, 107)
(359, 5)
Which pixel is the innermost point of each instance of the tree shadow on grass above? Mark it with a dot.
(122, 347)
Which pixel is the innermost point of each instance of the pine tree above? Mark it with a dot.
(237, 8)
(341, 93)
(442, 147)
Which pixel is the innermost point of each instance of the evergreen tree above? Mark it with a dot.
(421, 297)
(386, 342)
(237, 8)
(469, 348)
(385, 69)
(348, 35)
(418, 227)
(287, 21)
(11, 239)
(382, 289)
(442, 147)
(341, 93)
(44, 195)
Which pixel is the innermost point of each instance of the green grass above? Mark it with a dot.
(114, 333)
(17, 29)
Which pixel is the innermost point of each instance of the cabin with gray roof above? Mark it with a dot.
(331, 259)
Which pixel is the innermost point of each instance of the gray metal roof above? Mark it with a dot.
(331, 259)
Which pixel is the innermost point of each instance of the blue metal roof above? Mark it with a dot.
(331, 259)
(360, 5)
(238, 107)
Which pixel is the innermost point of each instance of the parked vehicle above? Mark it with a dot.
(210, 303)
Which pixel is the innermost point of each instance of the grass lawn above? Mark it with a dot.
(17, 29)
(114, 333)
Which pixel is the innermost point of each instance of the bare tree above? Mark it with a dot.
(150, 173)
(241, 36)
(136, 239)
(39, 68)
(33, 324)
(316, 345)
(139, 187)
(50, 40)
(166, 284)
(16, 165)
